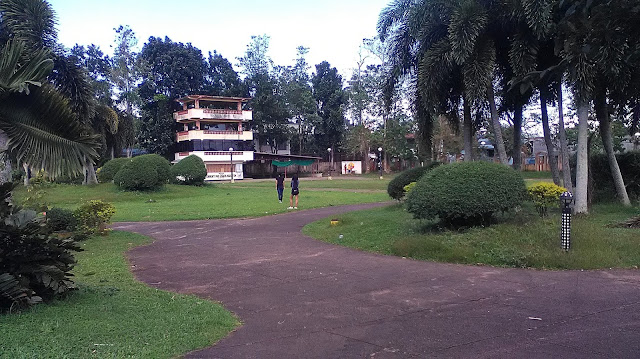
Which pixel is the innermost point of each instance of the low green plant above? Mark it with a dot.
(35, 264)
(409, 187)
(189, 171)
(143, 173)
(41, 177)
(545, 195)
(93, 217)
(60, 219)
(107, 172)
(396, 190)
(36, 198)
(466, 194)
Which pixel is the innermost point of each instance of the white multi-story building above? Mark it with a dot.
(217, 130)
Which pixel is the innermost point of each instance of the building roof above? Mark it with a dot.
(191, 98)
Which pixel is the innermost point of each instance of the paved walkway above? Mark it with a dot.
(301, 298)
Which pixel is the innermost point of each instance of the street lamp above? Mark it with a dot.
(380, 160)
(330, 162)
(636, 140)
(566, 199)
(231, 153)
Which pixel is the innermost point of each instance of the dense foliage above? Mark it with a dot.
(60, 219)
(35, 265)
(190, 171)
(545, 195)
(629, 163)
(108, 171)
(93, 216)
(143, 173)
(396, 185)
(467, 193)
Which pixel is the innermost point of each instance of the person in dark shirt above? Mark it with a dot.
(280, 186)
(294, 192)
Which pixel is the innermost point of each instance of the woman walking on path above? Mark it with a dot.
(294, 192)
(280, 186)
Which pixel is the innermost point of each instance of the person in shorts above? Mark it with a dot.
(280, 186)
(295, 191)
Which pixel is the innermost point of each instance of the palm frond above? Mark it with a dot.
(43, 132)
(73, 83)
(30, 21)
(468, 23)
(17, 75)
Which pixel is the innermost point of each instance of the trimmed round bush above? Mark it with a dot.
(466, 194)
(395, 189)
(190, 171)
(143, 173)
(545, 195)
(60, 219)
(108, 171)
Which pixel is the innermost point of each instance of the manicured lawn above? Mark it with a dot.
(355, 183)
(518, 240)
(112, 315)
(242, 199)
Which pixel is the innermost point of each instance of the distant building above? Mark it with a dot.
(217, 130)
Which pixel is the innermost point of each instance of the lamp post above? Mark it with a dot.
(380, 160)
(566, 199)
(636, 140)
(330, 162)
(231, 153)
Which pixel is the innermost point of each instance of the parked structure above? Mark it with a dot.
(218, 130)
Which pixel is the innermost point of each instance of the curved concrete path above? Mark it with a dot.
(301, 298)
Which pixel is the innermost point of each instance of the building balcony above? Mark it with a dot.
(212, 114)
(214, 135)
(218, 156)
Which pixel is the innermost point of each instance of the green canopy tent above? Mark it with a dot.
(286, 164)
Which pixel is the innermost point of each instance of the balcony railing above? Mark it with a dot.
(213, 114)
(214, 135)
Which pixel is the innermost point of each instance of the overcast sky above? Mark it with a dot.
(332, 29)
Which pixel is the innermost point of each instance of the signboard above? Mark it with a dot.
(351, 167)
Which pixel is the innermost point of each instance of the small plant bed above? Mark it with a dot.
(112, 315)
(520, 239)
(177, 202)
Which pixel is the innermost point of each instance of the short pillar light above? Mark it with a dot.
(330, 163)
(231, 153)
(566, 199)
(380, 160)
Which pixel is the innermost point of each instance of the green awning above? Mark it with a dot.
(292, 163)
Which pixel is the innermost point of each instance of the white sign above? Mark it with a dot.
(351, 167)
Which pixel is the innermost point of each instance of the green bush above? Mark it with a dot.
(190, 171)
(35, 264)
(604, 189)
(396, 186)
(466, 194)
(93, 217)
(143, 173)
(545, 195)
(108, 171)
(60, 219)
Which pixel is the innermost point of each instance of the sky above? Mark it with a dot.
(332, 29)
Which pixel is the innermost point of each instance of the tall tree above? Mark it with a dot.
(157, 127)
(221, 79)
(330, 100)
(126, 69)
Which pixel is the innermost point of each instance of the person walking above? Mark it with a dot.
(280, 186)
(295, 191)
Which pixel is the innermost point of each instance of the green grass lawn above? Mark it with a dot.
(112, 315)
(241, 199)
(354, 183)
(518, 240)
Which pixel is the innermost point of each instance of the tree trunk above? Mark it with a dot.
(564, 146)
(551, 152)
(582, 163)
(5, 165)
(26, 180)
(467, 132)
(602, 113)
(497, 128)
(91, 173)
(517, 138)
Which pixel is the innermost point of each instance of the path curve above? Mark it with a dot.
(301, 298)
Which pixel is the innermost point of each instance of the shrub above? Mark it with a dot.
(143, 173)
(40, 178)
(190, 171)
(34, 199)
(60, 219)
(409, 187)
(35, 264)
(395, 188)
(467, 193)
(69, 179)
(604, 188)
(545, 195)
(93, 216)
(108, 171)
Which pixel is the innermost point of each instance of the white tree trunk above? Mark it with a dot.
(551, 152)
(5, 163)
(26, 174)
(467, 132)
(497, 128)
(582, 164)
(91, 178)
